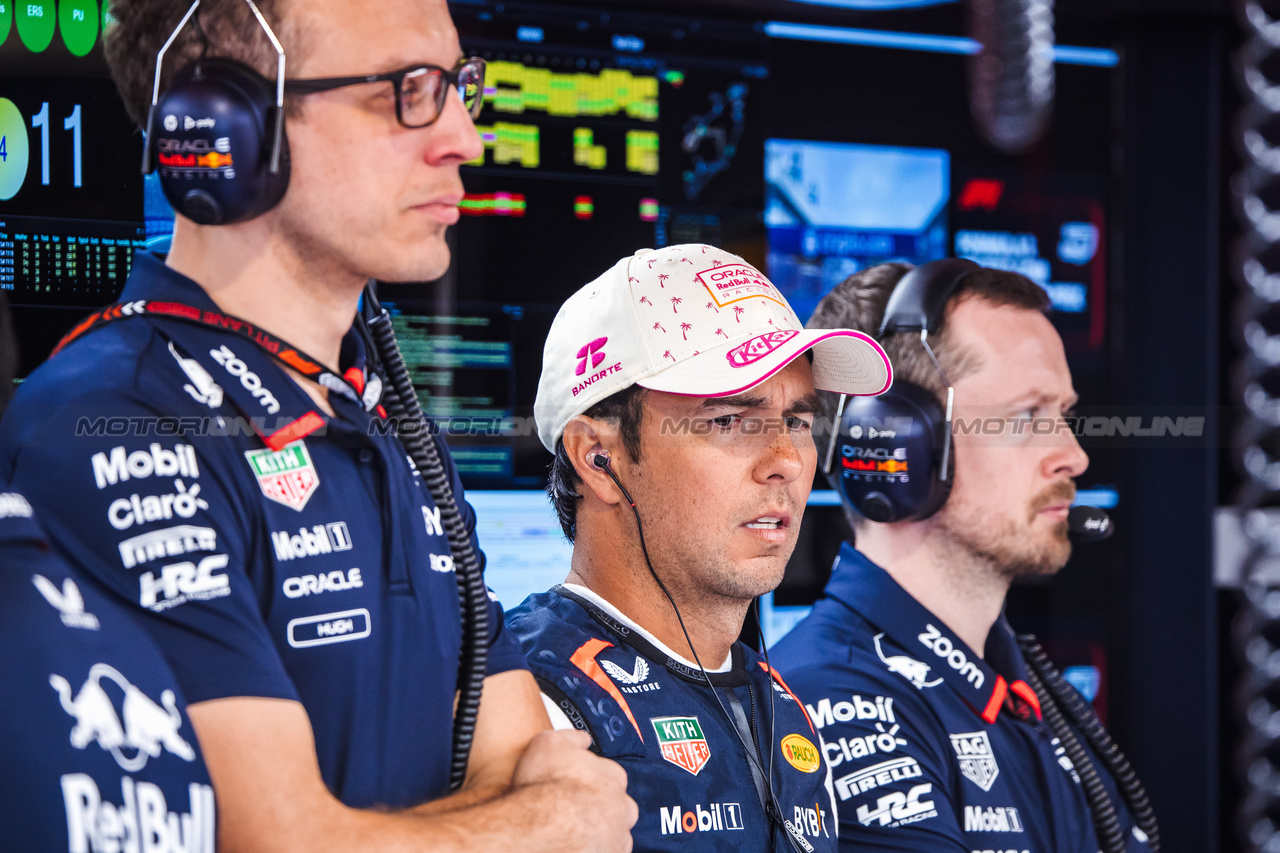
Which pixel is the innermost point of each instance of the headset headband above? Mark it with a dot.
(277, 131)
(919, 301)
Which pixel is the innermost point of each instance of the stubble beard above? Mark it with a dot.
(1007, 552)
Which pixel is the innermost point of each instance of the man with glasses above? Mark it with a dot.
(276, 543)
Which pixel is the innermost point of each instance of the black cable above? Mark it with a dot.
(603, 464)
(416, 435)
(1106, 823)
(773, 715)
(1105, 748)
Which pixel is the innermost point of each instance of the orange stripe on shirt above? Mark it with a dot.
(998, 693)
(289, 433)
(1028, 694)
(778, 678)
(585, 659)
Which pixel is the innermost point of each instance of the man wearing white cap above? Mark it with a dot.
(678, 405)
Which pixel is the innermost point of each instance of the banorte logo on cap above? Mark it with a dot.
(592, 351)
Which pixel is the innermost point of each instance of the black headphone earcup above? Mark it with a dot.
(889, 453)
(214, 134)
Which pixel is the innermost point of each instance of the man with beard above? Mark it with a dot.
(677, 394)
(940, 735)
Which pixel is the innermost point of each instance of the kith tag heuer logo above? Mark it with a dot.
(977, 760)
(287, 475)
(682, 742)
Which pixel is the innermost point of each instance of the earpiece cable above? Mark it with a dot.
(601, 461)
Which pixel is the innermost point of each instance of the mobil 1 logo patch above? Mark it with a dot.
(977, 760)
(319, 539)
(286, 476)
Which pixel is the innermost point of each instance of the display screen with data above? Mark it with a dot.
(604, 131)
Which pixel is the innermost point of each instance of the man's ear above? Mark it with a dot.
(583, 438)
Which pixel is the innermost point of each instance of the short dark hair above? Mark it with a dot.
(859, 301)
(626, 408)
(225, 28)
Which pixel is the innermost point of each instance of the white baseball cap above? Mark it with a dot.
(688, 319)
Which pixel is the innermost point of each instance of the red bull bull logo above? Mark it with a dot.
(141, 731)
(212, 160)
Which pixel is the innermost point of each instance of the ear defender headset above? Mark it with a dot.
(890, 455)
(216, 136)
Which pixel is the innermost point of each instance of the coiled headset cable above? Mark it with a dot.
(415, 435)
(600, 459)
(1055, 696)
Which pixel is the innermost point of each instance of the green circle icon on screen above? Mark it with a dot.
(13, 149)
(36, 23)
(6, 19)
(78, 20)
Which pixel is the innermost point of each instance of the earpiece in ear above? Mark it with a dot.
(600, 459)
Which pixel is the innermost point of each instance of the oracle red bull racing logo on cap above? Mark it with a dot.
(758, 347)
(729, 283)
(682, 742)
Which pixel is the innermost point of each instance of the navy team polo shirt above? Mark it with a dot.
(96, 747)
(933, 748)
(654, 715)
(271, 550)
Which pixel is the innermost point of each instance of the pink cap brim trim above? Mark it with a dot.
(838, 333)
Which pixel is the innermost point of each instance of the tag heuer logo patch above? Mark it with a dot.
(682, 742)
(977, 761)
(287, 475)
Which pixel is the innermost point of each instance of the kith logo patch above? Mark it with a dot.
(682, 742)
(593, 351)
(758, 347)
(287, 475)
(977, 760)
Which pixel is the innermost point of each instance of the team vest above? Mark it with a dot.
(687, 764)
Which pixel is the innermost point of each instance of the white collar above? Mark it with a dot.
(604, 605)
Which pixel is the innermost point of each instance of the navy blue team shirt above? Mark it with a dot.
(933, 748)
(654, 715)
(270, 549)
(96, 747)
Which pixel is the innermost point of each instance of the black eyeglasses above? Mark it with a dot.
(421, 90)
